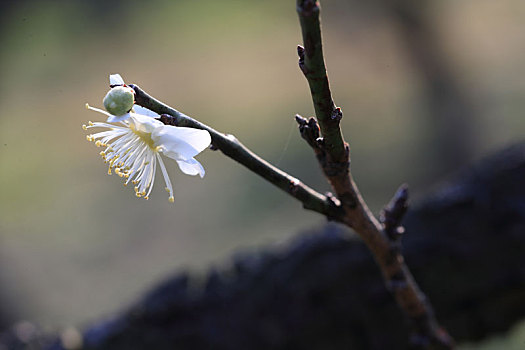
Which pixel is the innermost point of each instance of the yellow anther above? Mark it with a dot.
(90, 123)
(143, 193)
(167, 189)
(98, 143)
(146, 198)
(137, 194)
(87, 105)
(136, 187)
(171, 199)
(84, 127)
(109, 171)
(102, 153)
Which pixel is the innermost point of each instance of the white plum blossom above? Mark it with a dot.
(133, 148)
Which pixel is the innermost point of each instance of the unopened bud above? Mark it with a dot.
(119, 100)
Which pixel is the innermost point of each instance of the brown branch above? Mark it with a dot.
(334, 157)
(233, 148)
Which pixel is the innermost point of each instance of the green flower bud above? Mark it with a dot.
(119, 100)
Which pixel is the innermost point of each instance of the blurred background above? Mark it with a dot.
(425, 90)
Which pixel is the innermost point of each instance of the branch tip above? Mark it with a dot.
(300, 120)
(393, 213)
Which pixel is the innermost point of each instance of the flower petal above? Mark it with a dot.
(180, 142)
(190, 167)
(144, 111)
(143, 123)
(115, 119)
(116, 79)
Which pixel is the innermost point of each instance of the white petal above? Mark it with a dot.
(190, 167)
(115, 119)
(116, 79)
(181, 143)
(143, 123)
(144, 111)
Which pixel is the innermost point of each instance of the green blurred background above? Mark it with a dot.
(76, 245)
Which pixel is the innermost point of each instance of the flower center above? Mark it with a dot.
(145, 137)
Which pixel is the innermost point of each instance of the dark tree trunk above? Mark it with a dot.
(465, 245)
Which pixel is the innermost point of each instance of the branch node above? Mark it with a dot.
(293, 186)
(168, 119)
(300, 53)
(337, 114)
(309, 130)
(335, 204)
(393, 213)
(332, 199)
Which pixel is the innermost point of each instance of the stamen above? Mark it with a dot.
(166, 178)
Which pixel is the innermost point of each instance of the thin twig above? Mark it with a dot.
(231, 147)
(334, 158)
